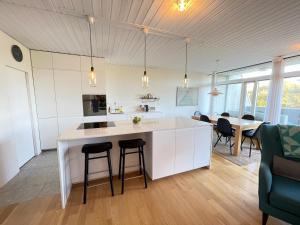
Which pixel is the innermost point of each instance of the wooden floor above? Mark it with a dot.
(225, 194)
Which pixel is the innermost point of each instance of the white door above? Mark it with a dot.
(21, 115)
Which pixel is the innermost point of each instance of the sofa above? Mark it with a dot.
(278, 196)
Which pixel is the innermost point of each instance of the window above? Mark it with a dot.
(249, 98)
(292, 65)
(219, 101)
(233, 97)
(261, 99)
(290, 106)
(246, 73)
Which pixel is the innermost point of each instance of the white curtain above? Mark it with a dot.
(273, 109)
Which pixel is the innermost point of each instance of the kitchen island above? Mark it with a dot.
(174, 145)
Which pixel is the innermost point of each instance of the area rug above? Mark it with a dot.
(243, 159)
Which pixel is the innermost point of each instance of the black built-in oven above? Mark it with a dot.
(94, 105)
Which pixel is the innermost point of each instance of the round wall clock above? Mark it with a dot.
(17, 53)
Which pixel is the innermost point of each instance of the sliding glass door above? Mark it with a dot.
(249, 100)
(290, 106)
(261, 99)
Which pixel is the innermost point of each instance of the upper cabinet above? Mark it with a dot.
(66, 62)
(44, 92)
(99, 67)
(68, 93)
(41, 60)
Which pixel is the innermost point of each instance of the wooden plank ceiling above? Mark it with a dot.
(238, 32)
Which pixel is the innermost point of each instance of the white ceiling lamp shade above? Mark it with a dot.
(145, 77)
(214, 91)
(92, 73)
(185, 79)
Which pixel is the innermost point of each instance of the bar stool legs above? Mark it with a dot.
(123, 169)
(93, 149)
(110, 173)
(141, 164)
(143, 158)
(86, 166)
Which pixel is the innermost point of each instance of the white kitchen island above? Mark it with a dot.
(173, 145)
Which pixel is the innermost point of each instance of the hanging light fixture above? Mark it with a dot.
(185, 79)
(182, 5)
(92, 74)
(214, 90)
(145, 78)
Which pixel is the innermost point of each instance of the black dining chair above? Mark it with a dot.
(253, 135)
(225, 114)
(225, 130)
(204, 118)
(248, 117)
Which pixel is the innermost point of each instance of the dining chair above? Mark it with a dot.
(204, 118)
(225, 130)
(248, 117)
(253, 135)
(225, 114)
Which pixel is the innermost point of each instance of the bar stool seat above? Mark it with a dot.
(131, 144)
(96, 148)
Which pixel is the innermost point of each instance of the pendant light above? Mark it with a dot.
(145, 78)
(92, 74)
(214, 90)
(185, 79)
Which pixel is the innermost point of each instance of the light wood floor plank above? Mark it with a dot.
(224, 195)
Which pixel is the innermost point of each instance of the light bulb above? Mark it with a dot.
(92, 78)
(145, 80)
(181, 5)
(185, 81)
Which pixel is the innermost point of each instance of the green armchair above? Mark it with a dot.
(278, 196)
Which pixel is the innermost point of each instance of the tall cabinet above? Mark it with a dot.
(59, 81)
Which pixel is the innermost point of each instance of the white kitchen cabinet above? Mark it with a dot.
(48, 133)
(66, 62)
(203, 137)
(41, 60)
(163, 153)
(44, 92)
(185, 147)
(68, 93)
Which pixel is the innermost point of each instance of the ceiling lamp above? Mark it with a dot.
(145, 78)
(182, 5)
(185, 79)
(214, 90)
(92, 74)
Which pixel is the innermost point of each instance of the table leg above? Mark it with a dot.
(237, 142)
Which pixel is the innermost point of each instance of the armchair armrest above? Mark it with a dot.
(265, 183)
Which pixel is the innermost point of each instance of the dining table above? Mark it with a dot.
(239, 125)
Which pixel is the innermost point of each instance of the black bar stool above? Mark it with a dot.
(130, 144)
(88, 149)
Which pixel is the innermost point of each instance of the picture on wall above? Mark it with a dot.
(187, 96)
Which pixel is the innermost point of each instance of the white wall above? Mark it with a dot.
(8, 156)
(61, 79)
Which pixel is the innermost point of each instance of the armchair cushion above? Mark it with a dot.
(286, 168)
(290, 140)
(285, 195)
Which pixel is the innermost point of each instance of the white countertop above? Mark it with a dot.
(127, 127)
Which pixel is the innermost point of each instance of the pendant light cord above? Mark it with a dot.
(91, 47)
(186, 57)
(145, 49)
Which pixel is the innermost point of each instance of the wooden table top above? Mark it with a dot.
(236, 122)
